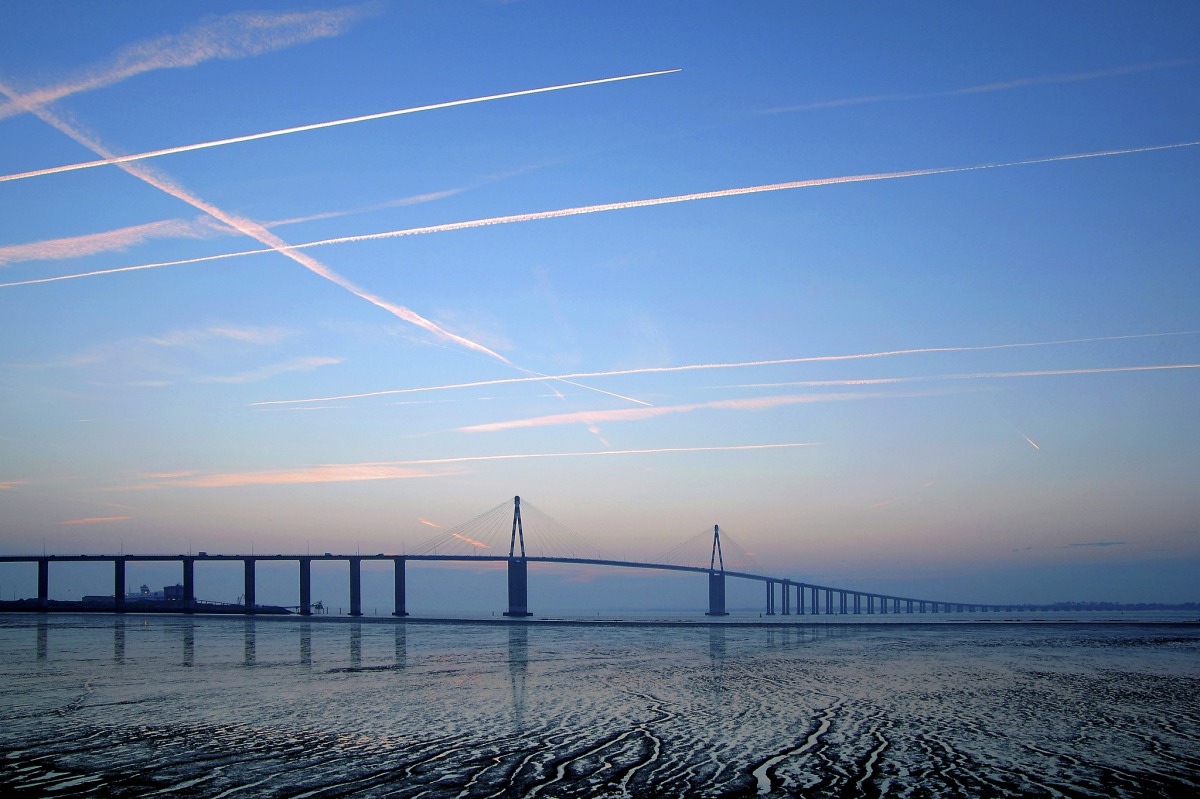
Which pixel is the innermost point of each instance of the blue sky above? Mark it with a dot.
(1023, 430)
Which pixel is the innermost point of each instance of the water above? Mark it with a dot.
(217, 707)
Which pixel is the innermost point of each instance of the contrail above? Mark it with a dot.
(638, 414)
(276, 244)
(108, 241)
(617, 206)
(873, 381)
(471, 541)
(319, 125)
(253, 230)
(986, 87)
(735, 365)
(1030, 440)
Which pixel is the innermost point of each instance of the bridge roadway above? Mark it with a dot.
(836, 600)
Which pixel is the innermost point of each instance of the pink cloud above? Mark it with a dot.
(98, 520)
(638, 414)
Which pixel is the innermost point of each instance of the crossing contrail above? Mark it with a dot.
(275, 244)
(738, 365)
(253, 230)
(617, 206)
(124, 159)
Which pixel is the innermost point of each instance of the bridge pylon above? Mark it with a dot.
(518, 568)
(716, 577)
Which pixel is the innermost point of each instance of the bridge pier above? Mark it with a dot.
(770, 597)
(883, 604)
(355, 586)
(189, 585)
(43, 583)
(814, 595)
(518, 588)
(716, 594)
(305, 586)
(786, 596)
(828, 601)
(249, 597)
(400, 609)
(119, 585)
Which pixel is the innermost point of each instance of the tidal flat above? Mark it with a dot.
(124, 706)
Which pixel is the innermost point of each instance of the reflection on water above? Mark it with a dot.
(189, 641)
(407, 709)
(118, 626)
(250, 642)
(518, 668)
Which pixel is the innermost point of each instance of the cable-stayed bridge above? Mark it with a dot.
(498, 535)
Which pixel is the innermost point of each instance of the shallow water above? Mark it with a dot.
(215, 707)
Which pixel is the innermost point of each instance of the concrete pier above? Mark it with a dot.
(356, 586)
(119, 585)
(716, 594)
(400, 608)
(518, 588)
(305, 586)
(249, 585)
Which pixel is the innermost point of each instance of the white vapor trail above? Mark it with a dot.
(617, 206)
(228, 37)
(736, 365)
(275, 244)
(319, 125)
(251, 229)
(875, 381)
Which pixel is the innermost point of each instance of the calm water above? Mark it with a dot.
(216, 707)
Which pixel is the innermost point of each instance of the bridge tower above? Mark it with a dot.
(716, 577)
(518, 568)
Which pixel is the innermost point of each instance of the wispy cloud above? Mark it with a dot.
(274, 370)
(1096, 544)
(232, 36)
(408, 469)
(123, 159)
(1021, 83)
(8, 485)
(146, 351)
(758, 363)
(415, 199)
(330, 473)
(428, 523)
(292, 250)
(638, 414)
(98, 520)
(109, 241)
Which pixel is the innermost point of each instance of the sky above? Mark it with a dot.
(903, 297)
